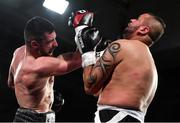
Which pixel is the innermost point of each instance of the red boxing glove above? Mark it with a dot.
(81, 17)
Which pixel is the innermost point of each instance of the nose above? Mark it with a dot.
(133, 20)
(55, 44)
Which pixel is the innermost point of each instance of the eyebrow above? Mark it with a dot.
(51, 39)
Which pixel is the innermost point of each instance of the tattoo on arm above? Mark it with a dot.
(106, 63)
(114, 49)
(92, 79)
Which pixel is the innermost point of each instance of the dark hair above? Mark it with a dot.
(35, 29)
(158, 30)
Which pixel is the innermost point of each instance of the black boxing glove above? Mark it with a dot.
(91, 45)
(101, 46)
(79, 21)
(87, 39)
(58, 101)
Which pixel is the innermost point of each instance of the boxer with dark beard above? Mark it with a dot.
(125, 77)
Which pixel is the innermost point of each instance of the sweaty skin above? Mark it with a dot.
(32, 91)
(133, 76)
(33, 77)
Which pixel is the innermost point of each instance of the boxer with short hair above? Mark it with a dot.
(125, 77)
(32, 71)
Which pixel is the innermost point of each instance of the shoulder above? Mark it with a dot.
(19, 49)
(125, 47)
(131, 44)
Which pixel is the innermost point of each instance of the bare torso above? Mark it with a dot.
(32, 90)
(134, 80)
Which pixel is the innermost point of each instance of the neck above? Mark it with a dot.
(142, 39)
(32, 52)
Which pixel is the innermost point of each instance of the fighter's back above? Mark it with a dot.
(32, 91)
(134, 80)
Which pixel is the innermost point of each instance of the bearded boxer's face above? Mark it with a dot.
(48, 44)
(130, 30)
(135, 26)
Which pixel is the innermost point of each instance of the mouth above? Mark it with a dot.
(51, 51)
(129, 24)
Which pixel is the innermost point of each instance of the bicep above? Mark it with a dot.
(49, 66)
(95, 76)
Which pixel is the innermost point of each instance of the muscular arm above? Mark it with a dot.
(95, 76)
(11, 71)
(65, 63)
(73, 60)
(10, 79)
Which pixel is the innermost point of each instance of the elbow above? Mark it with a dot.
(11, 86)
(91, 85)
(90, 91)
(88, 87)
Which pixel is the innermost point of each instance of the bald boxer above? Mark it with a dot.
(125, 77)
(32, 71)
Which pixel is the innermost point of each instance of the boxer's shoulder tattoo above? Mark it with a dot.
(106, 63)
(113, 49)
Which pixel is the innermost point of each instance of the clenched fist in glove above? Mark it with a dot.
(87, 37)
(58, 101)
(100, 47)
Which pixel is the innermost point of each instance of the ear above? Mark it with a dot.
(34, 44)
(143, 30)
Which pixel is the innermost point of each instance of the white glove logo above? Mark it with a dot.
(82, 11)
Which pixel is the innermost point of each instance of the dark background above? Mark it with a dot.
(111, 17)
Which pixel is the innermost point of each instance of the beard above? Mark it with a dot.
(128, 31)
(46, 53)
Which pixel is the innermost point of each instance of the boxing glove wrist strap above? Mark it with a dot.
(78, 28)
(99, 54)
(88, 58)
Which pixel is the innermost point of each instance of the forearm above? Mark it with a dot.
(75, 61)
(72, 59)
